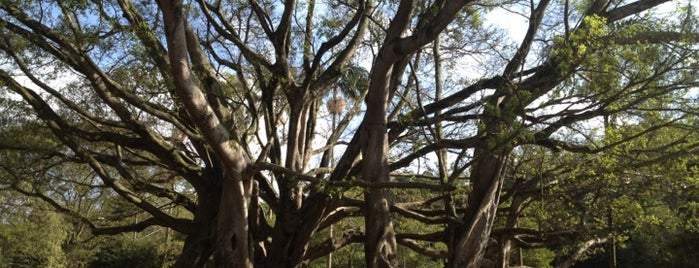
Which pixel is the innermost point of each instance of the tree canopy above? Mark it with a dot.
(285, 133)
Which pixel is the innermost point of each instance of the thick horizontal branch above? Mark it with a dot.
(433, 147)
(444, 103)
(654, 37)
(530, 238)
(334, 243)
(94, 229)
(428, 237)
(341, 213)
(351, 183)
(135, 227)
(442, 219)
(631, 8)
(422, 250)
(582, 248)
(436, 119)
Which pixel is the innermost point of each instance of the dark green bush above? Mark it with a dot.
(122, 253)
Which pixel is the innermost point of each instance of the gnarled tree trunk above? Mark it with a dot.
(232, 243)
(483, 201)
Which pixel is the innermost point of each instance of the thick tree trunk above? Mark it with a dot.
(293, 232)
(198, 247)
(291, 242)
(211, 224)
(483, 201)
(233, 247)
(380, 242)
(503, 258)
(232, 229)
(505, 240)
(196, 252)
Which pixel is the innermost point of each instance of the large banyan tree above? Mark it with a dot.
(229, 112)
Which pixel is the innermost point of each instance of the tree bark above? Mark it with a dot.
(289, 239)
(582, 248)
(199, 247)
(483, 201)
(232, 227)
(380, 242)
(505, 241)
